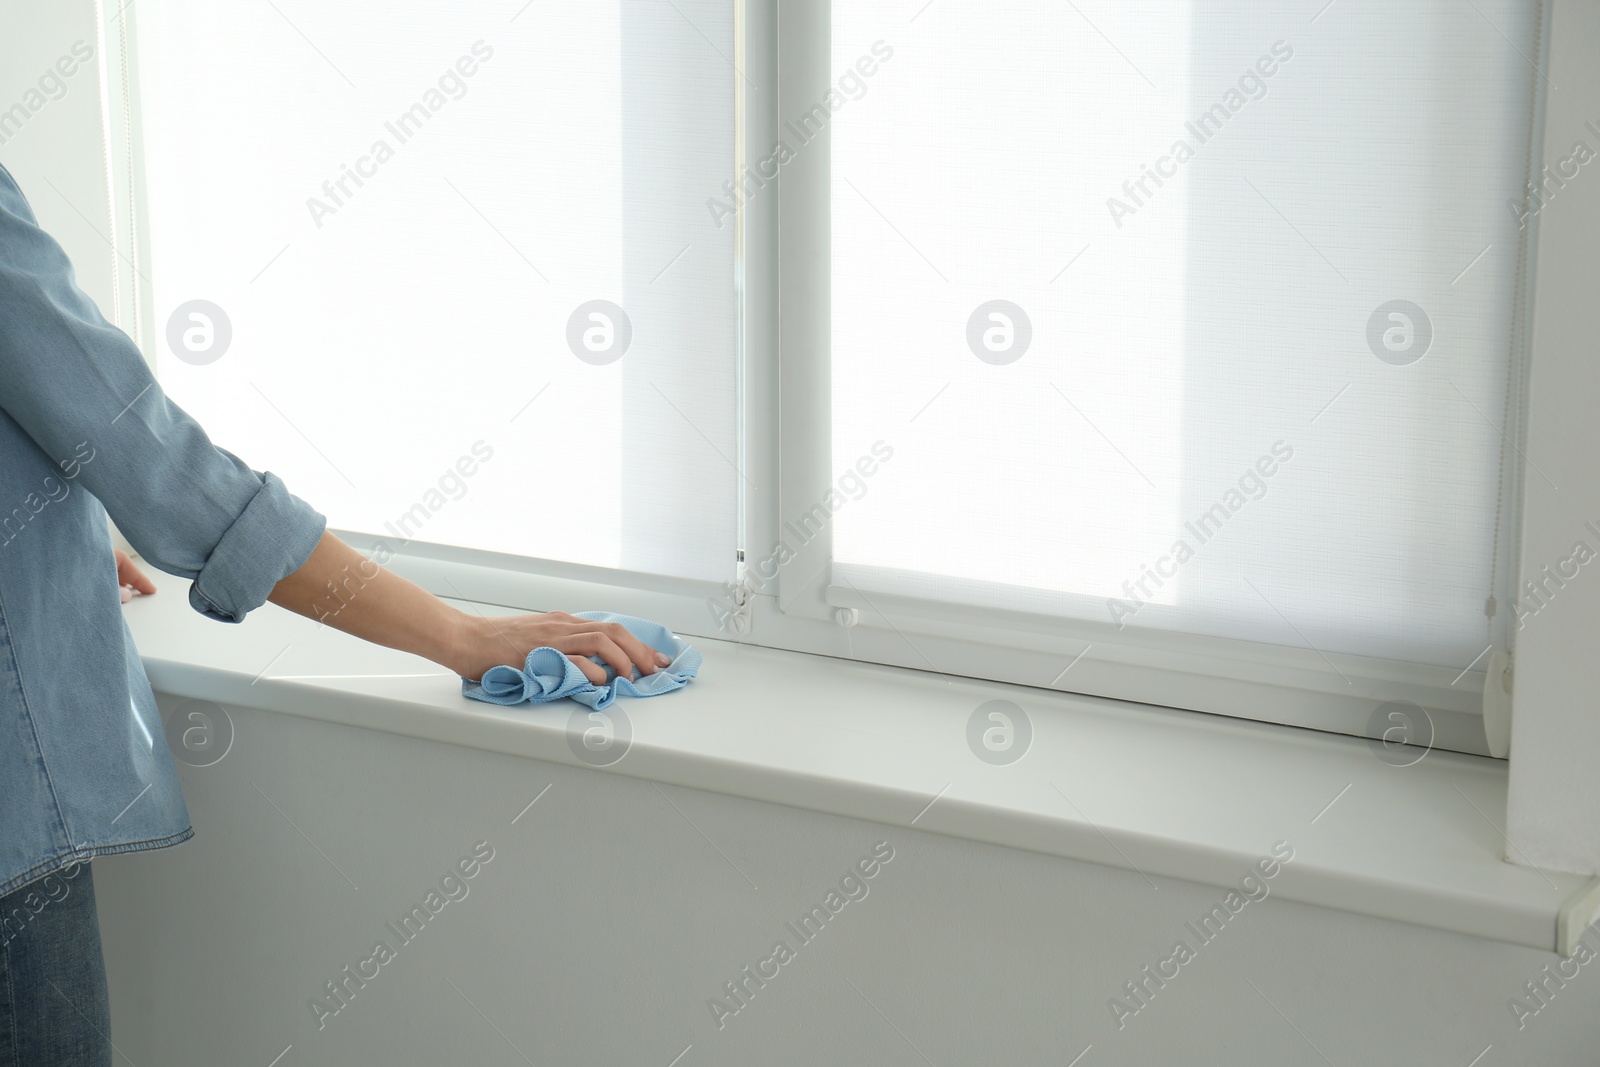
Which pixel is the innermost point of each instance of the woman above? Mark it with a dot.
(85, 430)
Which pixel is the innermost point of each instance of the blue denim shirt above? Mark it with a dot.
(85, 429)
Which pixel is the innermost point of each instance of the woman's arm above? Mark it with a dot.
(346, 590)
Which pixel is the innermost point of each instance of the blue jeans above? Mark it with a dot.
(53, 1010)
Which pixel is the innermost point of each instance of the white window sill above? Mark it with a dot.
(1166, 793)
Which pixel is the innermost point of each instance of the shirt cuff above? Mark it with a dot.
(271, 539)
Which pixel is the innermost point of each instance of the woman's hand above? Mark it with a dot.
(130, 579)
(488, 642)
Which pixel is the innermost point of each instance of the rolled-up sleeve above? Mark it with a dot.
(272, 537)
(80, 389)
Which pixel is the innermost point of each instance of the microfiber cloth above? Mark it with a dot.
(549, 675)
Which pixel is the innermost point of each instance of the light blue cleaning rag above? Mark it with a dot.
(549, 675)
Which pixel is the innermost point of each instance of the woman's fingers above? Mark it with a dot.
(646, 658)
(598, 644)
(578, 639)
(591, 670)
(129, 574)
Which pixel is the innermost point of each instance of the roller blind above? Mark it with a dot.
(447, 269)
(1189, 316)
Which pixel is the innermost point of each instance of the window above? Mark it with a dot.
(462, 264)
(1170, 352)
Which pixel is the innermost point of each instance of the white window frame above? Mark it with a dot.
(784, 56)
(1295, 686)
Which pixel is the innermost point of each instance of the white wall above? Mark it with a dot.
(612, 911)
(1554, 808)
